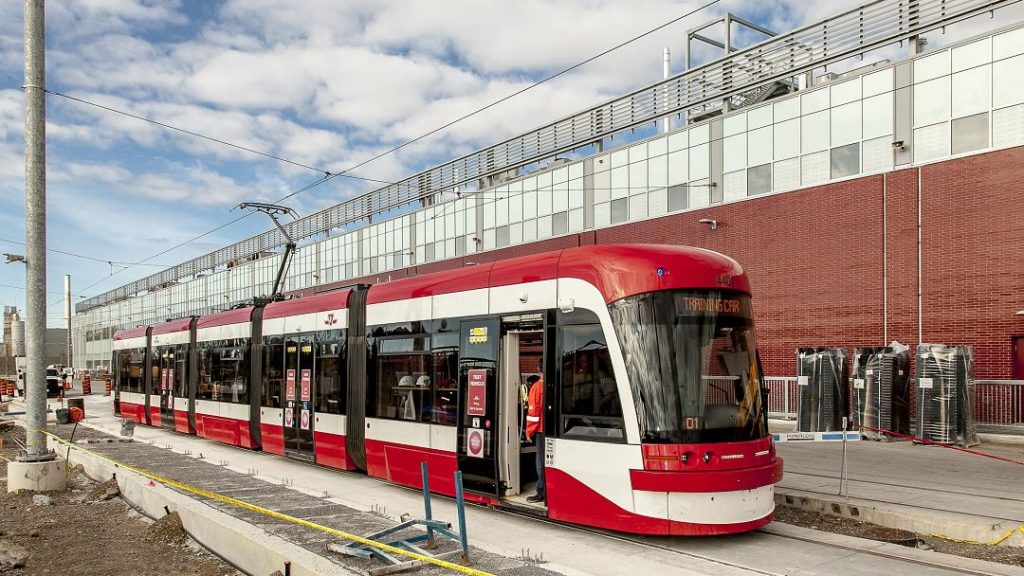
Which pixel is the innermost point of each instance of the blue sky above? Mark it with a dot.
(323, 83)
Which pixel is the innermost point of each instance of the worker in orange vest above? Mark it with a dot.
(535, 429)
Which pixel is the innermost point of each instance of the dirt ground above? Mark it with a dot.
(87, 530)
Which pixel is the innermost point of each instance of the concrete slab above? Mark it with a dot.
(36, 476)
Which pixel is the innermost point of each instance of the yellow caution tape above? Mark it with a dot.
(277, 515)
(992, 543)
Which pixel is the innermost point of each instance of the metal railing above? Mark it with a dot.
(998, 404)
(872, 25)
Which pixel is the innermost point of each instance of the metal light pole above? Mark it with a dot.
(67, 317)
(35, 232)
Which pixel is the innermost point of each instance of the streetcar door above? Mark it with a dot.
(299, 391)
(522, 349)
(165, 386)
(477, 420)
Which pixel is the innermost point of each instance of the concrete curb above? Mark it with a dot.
(925, 522)
(252, 550)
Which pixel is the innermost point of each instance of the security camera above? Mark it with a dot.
(711, 223)
(899, 145)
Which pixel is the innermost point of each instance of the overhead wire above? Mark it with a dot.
(84, 257)
(331, 175)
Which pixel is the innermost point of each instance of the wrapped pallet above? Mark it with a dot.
(945, 394)
(881, 391)
(821, 377)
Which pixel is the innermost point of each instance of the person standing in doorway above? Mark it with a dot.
(535, 430)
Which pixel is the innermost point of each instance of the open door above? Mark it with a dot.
(522, 351)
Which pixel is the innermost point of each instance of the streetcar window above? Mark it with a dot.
(130, 370)
(692, 364)
(331, 375)
(180, 367)
(590, 405)
(445, 376)
(224, 370)
(403, 379)
(273, 371)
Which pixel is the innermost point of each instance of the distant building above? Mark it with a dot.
(56, 343)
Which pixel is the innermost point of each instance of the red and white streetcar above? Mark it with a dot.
(655, 420)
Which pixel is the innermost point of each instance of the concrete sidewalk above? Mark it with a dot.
(930, 490)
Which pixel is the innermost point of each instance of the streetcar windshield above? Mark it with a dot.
(692, 364)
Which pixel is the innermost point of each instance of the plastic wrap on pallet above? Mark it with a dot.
(945, 394)
(821, 378)
(881, 390)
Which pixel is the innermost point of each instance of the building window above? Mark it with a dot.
(970, 133)
(678, 197)
(759, 180)
(845, 160)
(620, 211)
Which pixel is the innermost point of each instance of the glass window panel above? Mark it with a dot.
(734, 185)
(1008, 127)
(734, 152)
(620, 182)
(560, 175)
(543, 180)
(878, 82)
(878, 154)
(787, 109)
(971, 55)
(501, 236)
(620, 158)
(700, 161)
(970, 133)
(515, 203)
(638, 152)
(845, 123)
(501, 210)
(544, 227)
(544, 201)
(846, 161)
(575, 171)
(759, 117)
(602, 214)
(638, 207)
(845, 92)
(487, 199)
(489, 238)
(759, 180)
(657, 147)
(657, 172)
(602, 186)
(932, 66)
(878, 115)
(1008, 44)
(515, 233)
(620, 210)
(678, 167)
(657, 202)
(786, 138)
(814, 132)
(931, 142)
(638, 177)
(1008, 82)
(559, 223)
(678, 141)
(529, 231)
(814, 101)
(735, 124)
(700, 134)
(428, 252)
(971, 91)
(576, 220)
(759, 146)
(576, 193)
(786, 174)
(814, 168)
(700, 196)
(560, 197)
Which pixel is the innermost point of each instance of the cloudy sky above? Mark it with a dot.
(321, 83)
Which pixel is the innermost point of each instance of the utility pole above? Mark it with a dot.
(67, 317)
(35, 233)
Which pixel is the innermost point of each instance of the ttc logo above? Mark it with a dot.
(331, 320)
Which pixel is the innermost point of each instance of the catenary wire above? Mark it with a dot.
(111, 262)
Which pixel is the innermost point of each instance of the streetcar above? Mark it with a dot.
(654, 412)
